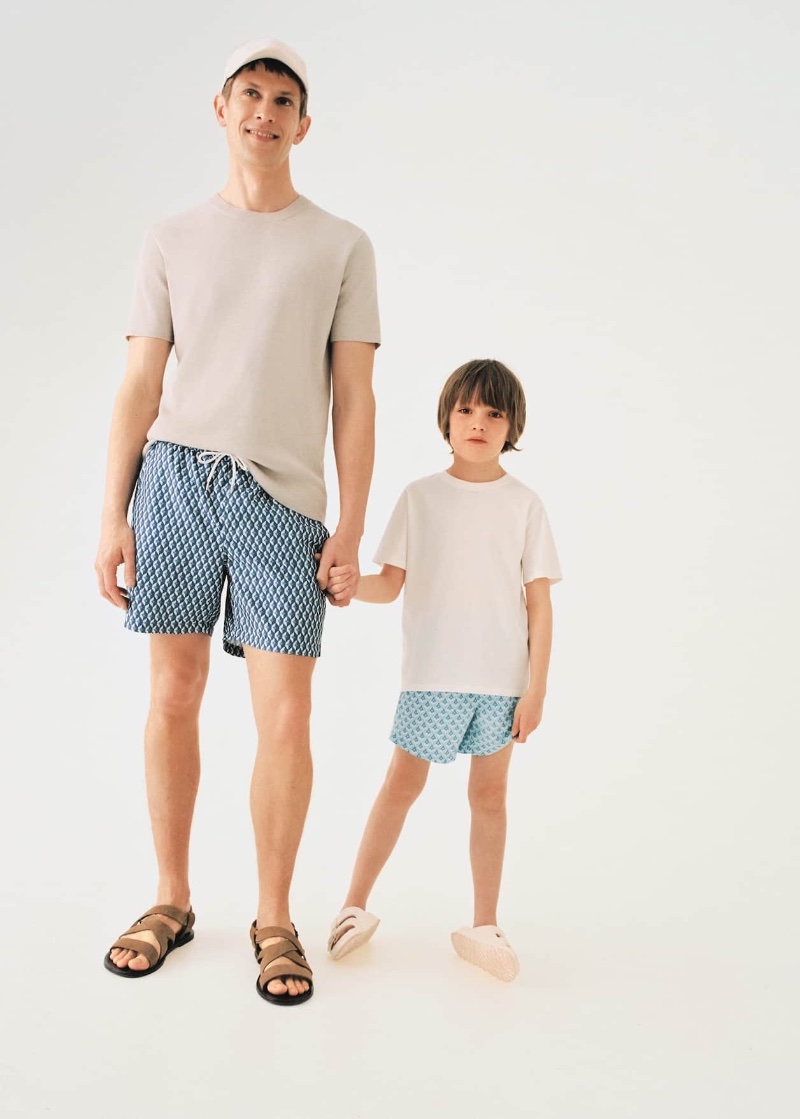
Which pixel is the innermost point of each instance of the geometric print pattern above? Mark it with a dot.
(198, 526)
(437, 726)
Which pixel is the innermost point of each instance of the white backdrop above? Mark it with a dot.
(604, 196)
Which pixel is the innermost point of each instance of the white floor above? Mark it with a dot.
(647, 889)
(609, 1017)
(599, 1026)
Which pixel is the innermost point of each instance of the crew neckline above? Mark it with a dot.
(262, 216)
(464, 485)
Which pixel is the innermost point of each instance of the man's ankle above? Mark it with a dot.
(177, 894)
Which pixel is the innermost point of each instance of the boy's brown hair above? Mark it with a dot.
(272, 66)
(490, 383)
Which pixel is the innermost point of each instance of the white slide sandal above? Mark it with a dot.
(486, 946)
(350, 929)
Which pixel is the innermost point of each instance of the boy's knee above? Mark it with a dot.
(404, 785)
(487, 796)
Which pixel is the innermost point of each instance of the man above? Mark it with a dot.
(270, 303)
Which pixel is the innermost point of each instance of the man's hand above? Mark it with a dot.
(116, 546)
(338, 572)
(527, 716)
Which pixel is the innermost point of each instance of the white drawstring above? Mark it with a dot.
(213, 459)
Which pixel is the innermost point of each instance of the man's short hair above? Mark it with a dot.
(490, 383)
(272, 66)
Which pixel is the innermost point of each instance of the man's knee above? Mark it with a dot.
(177, 686)
(288, 722)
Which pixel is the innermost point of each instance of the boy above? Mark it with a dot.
(473, 548)
(270, 303)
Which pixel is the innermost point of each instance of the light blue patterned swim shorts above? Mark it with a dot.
(437, 726)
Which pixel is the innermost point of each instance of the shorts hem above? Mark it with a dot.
(488, 753)
(233, 646)
(143, 627)
(422, 757)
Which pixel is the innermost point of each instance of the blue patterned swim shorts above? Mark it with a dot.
(437, 726)
(200, 519)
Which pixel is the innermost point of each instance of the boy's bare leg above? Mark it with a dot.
(404, 781)
(488, 779)
(178, 674)
(280, 687)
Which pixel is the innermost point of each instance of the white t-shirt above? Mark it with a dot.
(467, 549)
(253, 302)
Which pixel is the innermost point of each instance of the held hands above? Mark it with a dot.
(117, 546)
(338, 572)
(527, 716)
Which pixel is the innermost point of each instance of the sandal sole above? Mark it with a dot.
(128, 973)
(286, 999)
(502, 963)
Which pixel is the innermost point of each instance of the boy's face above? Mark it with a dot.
(478, 432)
(262, 117)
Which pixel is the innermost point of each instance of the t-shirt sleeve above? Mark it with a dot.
(393, 547)
(151, 314)
(356, 317)
(540, 559)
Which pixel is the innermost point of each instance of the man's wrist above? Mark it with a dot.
(351, 532)
(110, 517)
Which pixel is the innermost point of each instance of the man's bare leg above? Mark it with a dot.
(280, 687)
(488, 780)
(405, 779)
(178, 674)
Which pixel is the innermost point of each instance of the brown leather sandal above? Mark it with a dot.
(167, 939)
(288, 946)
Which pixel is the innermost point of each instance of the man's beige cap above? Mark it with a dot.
(266, 48)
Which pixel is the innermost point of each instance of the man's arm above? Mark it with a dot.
(353, 418)
(528, 713)
(135, 409)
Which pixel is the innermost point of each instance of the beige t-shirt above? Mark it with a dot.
(467, 549)
(252, 302)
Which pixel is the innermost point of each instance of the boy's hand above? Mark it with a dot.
(527, 716)
(342, 585)
(338, 573)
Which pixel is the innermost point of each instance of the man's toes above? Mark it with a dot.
(139, 963)
(120, 956)
(277, 987)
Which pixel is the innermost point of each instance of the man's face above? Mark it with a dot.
(262, 117)
(477, 432)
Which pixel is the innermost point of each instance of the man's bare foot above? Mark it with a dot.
(124, 957)
(277, 986)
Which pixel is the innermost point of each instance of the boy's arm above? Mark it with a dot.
(353, 422)
(528, 713)
(381, 588)
(135, 409)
